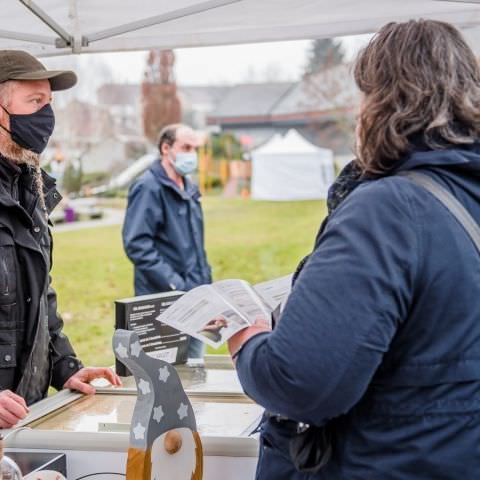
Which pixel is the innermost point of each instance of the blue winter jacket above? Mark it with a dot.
(380, 338)
(163, 234)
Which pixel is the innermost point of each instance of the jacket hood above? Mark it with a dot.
(458, 166)
(465, 158)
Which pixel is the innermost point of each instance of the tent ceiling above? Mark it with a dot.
(57, 27)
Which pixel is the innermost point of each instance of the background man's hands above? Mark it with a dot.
(80, 380)
(12, 409)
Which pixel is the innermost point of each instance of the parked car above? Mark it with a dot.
(72, 210)
(86, 207)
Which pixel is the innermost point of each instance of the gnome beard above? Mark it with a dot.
(179, 466)
(21, 156)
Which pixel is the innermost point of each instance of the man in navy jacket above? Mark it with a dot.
(163, 229)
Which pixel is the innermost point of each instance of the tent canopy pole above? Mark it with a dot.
(156, 20)
(26, 37)
(65, 37)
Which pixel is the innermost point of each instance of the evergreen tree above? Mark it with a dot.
(324, 53)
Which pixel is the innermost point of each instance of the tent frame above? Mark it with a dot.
(76, 42)
(50, 22)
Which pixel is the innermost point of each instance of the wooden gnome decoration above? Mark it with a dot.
(164, 443)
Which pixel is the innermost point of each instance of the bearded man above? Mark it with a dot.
(34, 353)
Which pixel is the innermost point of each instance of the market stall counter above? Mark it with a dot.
(93, 431)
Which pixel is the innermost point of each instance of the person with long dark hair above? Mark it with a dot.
(373, 368)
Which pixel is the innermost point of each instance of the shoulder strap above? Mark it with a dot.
(449, 201)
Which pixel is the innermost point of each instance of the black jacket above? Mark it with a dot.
(34, 353)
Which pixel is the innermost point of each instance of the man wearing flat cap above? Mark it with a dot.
(34, 353)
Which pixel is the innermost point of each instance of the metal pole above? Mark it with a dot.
(27, 37)
(156, 20)
(77, 39)
(460, 1)
(47, 20)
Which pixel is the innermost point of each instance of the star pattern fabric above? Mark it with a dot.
(158, 413)
(144, 386)
(182, 411)
(135, 349)
(121, 351)
(139, 431)
(163, 374)
(162, 404)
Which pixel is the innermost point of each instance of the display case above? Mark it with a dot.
(93, 431)
(31, 462)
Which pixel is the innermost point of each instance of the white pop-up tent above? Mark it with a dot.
(291, 168)
(58, 27)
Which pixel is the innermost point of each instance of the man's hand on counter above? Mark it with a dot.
(12, 409)
(80, 380)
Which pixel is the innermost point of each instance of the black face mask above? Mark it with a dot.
(32, 131)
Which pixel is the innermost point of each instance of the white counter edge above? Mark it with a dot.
(118, 442)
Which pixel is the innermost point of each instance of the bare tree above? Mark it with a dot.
(160, 102)
(328, 88)
(332, 92)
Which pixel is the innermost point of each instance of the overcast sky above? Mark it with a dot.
(228, 64)
(280, 61)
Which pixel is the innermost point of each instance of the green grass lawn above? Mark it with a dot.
(255, 241)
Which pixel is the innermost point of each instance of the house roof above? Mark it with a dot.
(251, 100)
(202, 95)
(329, 90)
(322, 95)
(318, 94)
(113, 94)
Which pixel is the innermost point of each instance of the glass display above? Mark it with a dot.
(8, 468)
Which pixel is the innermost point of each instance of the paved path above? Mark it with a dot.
(111, 216)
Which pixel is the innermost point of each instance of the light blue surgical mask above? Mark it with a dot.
(185, 163)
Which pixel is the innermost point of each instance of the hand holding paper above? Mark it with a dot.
(213, 313)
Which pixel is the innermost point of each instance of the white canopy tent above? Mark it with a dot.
(291, 168)
(57, 27)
